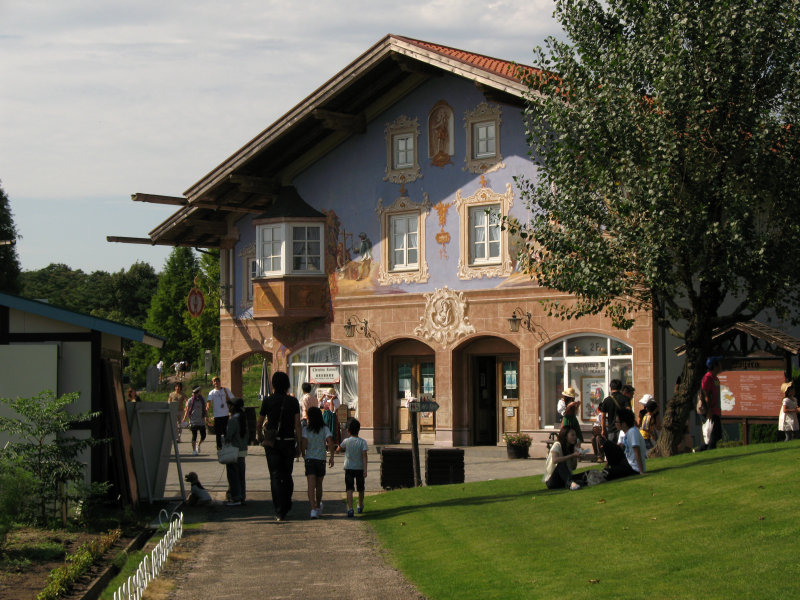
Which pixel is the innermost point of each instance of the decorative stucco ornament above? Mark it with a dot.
(445, 319)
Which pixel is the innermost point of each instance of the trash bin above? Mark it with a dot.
(444, 466)
(397, 468)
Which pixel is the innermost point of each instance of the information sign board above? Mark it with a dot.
(751, 393)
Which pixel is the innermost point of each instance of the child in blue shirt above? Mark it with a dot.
(355, 465)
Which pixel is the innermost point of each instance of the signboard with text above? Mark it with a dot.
(323, 374)
(751, 393)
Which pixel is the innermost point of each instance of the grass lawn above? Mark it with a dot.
(721, 524)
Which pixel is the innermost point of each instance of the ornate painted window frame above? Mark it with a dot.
(402, 125)
(483, 197)
(403, 205)
(482, 113)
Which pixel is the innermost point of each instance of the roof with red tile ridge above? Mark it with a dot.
(497, 66)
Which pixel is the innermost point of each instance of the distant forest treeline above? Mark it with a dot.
(142, 298)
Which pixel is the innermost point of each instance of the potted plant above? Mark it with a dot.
(517, 444)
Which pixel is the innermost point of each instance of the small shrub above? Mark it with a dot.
(61, 580)
(16, 488)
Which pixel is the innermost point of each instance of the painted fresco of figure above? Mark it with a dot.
(364, 251)
(439, 134)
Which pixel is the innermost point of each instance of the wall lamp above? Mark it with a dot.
(514, 320)
(355, 323)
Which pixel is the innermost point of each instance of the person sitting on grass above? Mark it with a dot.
(562, 461)
(627, 457)
(355, 465)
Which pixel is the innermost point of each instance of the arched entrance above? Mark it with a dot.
(247, 366)
(404, 367)
(486, 380)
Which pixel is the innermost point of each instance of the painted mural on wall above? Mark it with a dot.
(440, 134)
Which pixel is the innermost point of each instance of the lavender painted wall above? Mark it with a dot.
(349, 181)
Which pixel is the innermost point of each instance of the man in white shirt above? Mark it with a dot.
(217, 406)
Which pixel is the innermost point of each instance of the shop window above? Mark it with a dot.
(483, 138)
(483, 244)
(326, 365)
(586, 363)
(403, 241)
(402, 160)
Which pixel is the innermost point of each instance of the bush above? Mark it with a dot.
(16, 487)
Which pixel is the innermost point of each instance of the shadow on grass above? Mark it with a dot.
(710, 457)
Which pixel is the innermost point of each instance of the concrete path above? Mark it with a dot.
(242, 552)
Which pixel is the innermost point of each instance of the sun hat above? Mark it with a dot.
(196, 390)
(569, 393)
(785, 387)
(645, 399)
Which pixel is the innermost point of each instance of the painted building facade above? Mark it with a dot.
(362, 249)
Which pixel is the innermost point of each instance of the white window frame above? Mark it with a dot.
(484, 198)
(320, 256)
(566, 359)
(266, 261)
(388, 272)
(287, 256)
(483, 115)
(405, 247)
(478, 138)
(407, 151)
(247, 256)
(252, 273)
(486, 227)
(402, 128)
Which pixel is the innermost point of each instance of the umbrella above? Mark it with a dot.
(264, 391)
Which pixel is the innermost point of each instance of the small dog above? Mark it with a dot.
(199, 495)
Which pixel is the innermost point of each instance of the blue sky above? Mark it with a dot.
(100, 100)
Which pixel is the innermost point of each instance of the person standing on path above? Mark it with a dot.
(218, 399)
(608, 408)
(355, 465)
(709, 389)
(236, 435)
(787, 420)
(282, 413)
(196, 414)
(571, 406)
(316, 439)
(178, 397)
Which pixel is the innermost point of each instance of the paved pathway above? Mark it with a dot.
(243, 552)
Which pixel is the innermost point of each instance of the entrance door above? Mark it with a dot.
(484, 400)
(415, 375)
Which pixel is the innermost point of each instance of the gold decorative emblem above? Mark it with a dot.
(445, 318)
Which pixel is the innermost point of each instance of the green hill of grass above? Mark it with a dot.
(721, 524)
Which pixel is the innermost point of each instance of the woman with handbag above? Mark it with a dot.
(236, 436)
(278, 430)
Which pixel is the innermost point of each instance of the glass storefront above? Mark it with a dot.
(326, 365)
(586, 363)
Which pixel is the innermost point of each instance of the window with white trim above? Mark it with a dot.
(306, 248)
(271, 248)
(289, 249)
(252, 272)
(483, 138)
(403, 151)
(404, 241)
(484, 234)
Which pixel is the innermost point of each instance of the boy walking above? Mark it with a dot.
(355, 465)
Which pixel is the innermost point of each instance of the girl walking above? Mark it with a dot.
(317, 439)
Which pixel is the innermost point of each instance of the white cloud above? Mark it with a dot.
(100, 100)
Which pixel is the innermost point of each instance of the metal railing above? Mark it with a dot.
(152, 564)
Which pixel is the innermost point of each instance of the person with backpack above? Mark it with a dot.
(196, 414)
(236, 435)
(609, 408)
(278, 430)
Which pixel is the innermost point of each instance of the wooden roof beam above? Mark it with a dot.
(147, 241)
(159, 199)
(255, 185)
(338, 121)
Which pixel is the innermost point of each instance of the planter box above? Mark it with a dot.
(517, 451)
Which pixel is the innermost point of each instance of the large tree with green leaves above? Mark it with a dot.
(9, 261)
(205, 328)
(667, 136)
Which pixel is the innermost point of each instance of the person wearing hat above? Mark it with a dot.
(329, 404)
(570, 418)
(236, 435)
(787, 420)
(196, 413)
(710, 388)
(649, 422)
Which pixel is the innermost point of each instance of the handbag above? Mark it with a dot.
(270, 434)
(228, 454)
